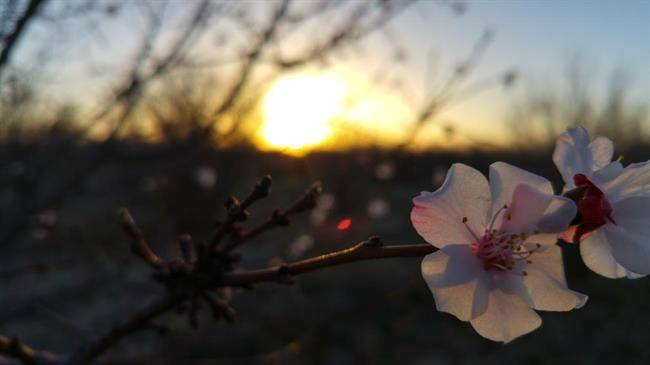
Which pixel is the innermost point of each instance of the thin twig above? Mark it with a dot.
(12, 39)
(361, 252)
(138, 243)
(237, 210)
(140, 320)
(278, 218)
(367, 250)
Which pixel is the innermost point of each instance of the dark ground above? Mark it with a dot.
(61, 286)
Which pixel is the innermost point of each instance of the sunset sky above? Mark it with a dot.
(535, 37)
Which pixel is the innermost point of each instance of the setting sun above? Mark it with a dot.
(298, 110)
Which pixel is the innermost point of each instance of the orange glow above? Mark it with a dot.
(298, 110)
(340, 108)
(344, 224)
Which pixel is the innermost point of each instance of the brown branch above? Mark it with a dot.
(138, 243)
(237, 210)
(278, 218)
(367, 250)
(15, 349)
(363, 251)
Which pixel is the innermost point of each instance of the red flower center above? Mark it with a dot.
(593, 208)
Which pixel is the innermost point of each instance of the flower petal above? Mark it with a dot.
(572, 154)
(634, 180)
(602, 150)
(558, 215)
(457, 280)
(607, 173)
(438, 216)
(544, 239)
(630, 249)
(504, 178)
(525, 210)
(546, 284)
(506, 318)
(596, 253)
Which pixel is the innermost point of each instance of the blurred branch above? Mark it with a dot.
(350, 31)
(10, 40)
(139, 244)
(237, 211)
(249, 64)
(138, 321)
(15, 349)
(127, 98)
(451, 87)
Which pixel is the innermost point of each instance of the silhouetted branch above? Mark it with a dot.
(139, 244)
(140, 320)
(126, 98)
(249, 64)
(278, 218)
(12, 38)
(237, 210)
(203, 271)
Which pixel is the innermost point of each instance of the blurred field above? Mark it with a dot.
(73, 281)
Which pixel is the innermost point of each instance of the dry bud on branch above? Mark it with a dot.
(196, 279)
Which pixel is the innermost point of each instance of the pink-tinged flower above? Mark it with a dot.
(497, 260)
(613, 225)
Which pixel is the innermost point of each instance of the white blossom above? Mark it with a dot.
(497, 261)
(614, 231)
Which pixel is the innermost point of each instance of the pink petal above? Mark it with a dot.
(525, 210)
(438, 217)
(457, 281)
(506, 318)
(504, 178)
(596, 253)
(546, 284)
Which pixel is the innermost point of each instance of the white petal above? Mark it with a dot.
(631, 215)
(525, 210)
(633, 212)
(607, 173)
(457, 280)
(572, 154)
(506, 318)
(438, 216)
(634, 180)
(633, 275)
(546, 285)
(629, 248)
(504, 178)
(602, 150)
(596, 253)
(544, 239)
(558, 215)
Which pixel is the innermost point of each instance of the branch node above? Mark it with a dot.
(308, 200)
(186, 246)
(279, 218)
(373, 241)
(284, 275)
